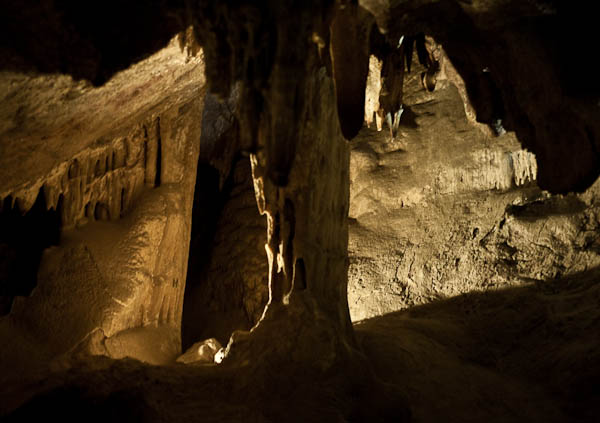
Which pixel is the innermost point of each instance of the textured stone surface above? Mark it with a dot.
(528, 61)
(528, 353)
(228, 288)
(302, 361)
(56, 117)
(125, 206)
(201, 352)
(373, 90)
(472, 219)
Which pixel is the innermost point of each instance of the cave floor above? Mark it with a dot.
(520, 354)
(523, 354)
(471, 289)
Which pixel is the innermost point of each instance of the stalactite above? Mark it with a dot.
(350, 32)
(109, 177)
(151, 154)
(373, 89)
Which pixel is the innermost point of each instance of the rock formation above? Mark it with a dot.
(106, 284)
(421, 233)
(199, 173)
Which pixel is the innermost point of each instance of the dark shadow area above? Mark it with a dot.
(226, 286)
(74, 404)
(23, 238)
(542, 209)
(542, 338)
(91, 41)
(228, 234)
(408, 119)
(208, 204)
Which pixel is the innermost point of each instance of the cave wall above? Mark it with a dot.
(289, 124)
(239, 54)
(474, 219)
(299, 169)
(114, 283)
(530, 57)
(227, 282)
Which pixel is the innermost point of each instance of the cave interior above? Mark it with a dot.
(338, 210)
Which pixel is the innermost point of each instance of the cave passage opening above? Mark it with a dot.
(226, 284)
(207, 206)
(23, 238)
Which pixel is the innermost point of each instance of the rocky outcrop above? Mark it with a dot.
(114, 283)
(523, 58)
(101, 182)
(48, 120)
(473, 219)
(203, 352)
(298, 71)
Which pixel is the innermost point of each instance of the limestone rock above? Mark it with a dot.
(473, 219)
(201, 352)
(121, 201)
(441, 216)
(57, 117)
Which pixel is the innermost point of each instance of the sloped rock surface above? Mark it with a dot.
(472, 218)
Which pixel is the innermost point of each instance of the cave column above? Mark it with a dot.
(300, 165)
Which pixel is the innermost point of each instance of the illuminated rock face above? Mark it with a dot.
(116, 158)
(472, 220)
(373, 90)
(114, 282)
(128, 271)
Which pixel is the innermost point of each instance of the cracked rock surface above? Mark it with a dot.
(472, 219)
(123, 192)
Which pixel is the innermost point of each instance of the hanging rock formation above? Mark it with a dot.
(100, 121)
(525, 53)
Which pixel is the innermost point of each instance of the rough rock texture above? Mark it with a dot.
(373, 90)
(521, 354)
(114, 284)
(350, 33)
(521, 52)
(201, 352)
(58, 117)
(307, 271)
(227, 281)
(228, 288)
(300, 69)
(299, 171)
(473, 219)
(314, 348)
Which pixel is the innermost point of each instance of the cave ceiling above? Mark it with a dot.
(534, 50)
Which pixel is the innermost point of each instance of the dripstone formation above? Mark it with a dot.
(192, 174)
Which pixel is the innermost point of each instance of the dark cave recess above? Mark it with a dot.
(23, 238)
